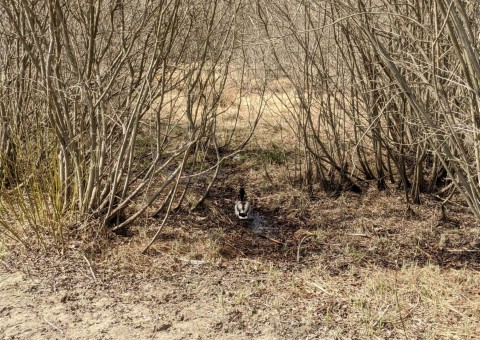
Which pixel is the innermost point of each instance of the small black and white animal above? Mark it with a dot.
(243, 208)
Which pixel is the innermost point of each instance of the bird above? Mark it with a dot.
(243, 208)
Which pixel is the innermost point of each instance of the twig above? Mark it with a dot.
(231, 245)
(358, 234)
(21, 185)
(453, 309)
(382, 314)
(299, 245)
(90, 267)
(194, 262)
(316, 285)
(53, 326)
(423, 251)
(272, 239)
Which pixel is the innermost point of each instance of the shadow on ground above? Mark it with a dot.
(345, 231)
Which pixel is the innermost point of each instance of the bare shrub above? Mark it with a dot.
(386, 91)
(124, 96)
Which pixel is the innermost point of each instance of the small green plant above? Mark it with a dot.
(273, 271)
(239, 300)
(274, 155)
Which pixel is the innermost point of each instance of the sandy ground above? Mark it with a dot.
(32, 308)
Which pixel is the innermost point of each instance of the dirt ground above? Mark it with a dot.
(349, 266)
(324, 265)
(185, 304)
